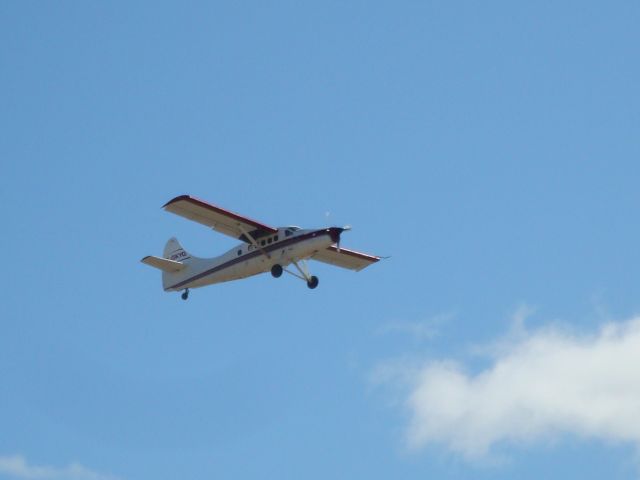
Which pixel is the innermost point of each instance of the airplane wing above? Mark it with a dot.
(345, 258)
(220, 220)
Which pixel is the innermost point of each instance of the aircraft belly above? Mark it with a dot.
(218, 276)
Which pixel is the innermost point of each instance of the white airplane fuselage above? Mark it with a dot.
(288, 245)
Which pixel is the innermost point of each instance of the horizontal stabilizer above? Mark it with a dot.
(163, 264)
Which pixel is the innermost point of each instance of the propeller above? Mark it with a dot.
(346, 228)
(336, 230)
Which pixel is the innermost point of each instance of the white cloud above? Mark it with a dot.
(538, 385)
(418, 330)
(15, 466)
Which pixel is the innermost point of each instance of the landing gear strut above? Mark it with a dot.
(185, 294)
(312, 280)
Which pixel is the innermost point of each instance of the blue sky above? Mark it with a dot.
(490, 148)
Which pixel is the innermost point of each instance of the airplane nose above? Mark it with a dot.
(334, 233)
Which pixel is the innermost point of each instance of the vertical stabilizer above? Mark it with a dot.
(174, 251)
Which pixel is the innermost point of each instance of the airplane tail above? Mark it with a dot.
(174, 263)
(174, 251)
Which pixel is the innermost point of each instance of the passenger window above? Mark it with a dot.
(275, 239)
(262, 243)
(239, 252)
(287, 233)
(269, 240)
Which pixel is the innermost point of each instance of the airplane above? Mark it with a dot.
(263, 249)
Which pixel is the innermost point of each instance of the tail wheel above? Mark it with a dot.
(313, 282)
(185, 294)
(276, 271)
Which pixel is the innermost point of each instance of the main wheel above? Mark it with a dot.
(185, 294)
(313, 282)
(276, 270)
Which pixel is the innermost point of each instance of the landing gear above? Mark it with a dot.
(185, 294)
(301, 266)
(276, 271)
(313, 282)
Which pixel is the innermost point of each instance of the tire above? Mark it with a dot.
(276, 271)
(313, 282)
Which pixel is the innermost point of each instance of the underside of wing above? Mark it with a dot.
(219, 219)
(345, 258)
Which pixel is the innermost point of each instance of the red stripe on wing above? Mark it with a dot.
(265, 229)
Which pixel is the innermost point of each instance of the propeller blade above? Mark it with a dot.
(346, 228)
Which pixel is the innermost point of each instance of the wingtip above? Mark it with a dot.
(176, 199)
